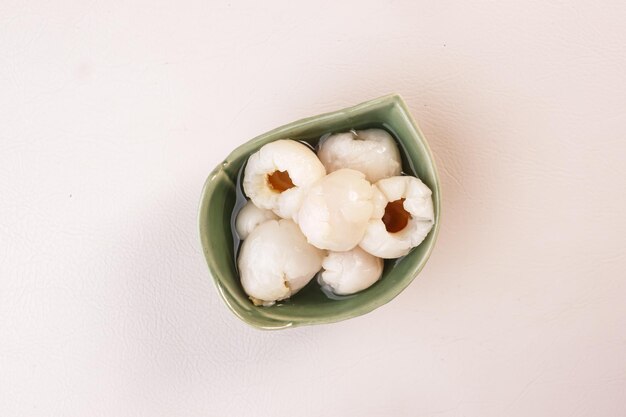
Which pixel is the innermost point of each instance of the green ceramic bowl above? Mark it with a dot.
(311, 305)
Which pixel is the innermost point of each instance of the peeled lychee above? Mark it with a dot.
(249, 217)
(350, 272)
(371, 151)
(277, 175)
(335, 211)
(403, 216)
(276, 261)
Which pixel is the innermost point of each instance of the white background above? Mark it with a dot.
(112, 113)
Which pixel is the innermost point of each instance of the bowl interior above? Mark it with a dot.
(311, 305)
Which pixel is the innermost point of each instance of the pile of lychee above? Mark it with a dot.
(340, 212)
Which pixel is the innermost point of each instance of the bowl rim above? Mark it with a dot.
(271, 323)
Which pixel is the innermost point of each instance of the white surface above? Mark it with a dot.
(112, 115)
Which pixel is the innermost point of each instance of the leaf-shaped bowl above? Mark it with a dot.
(311, 305)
